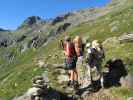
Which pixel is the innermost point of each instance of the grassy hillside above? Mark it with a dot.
(15, 77)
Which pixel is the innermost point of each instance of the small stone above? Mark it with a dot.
(62, 78)
(40, 63)
(130, 98)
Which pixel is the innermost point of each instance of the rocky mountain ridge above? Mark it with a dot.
(33, 49)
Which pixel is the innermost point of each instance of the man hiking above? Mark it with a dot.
(70, 61)
(95, 56)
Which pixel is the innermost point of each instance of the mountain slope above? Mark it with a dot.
(17, 68)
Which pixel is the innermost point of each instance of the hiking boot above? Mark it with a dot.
(76, 85)
(70, 83)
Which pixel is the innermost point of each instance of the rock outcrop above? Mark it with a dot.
(5, 41)
(39, 91)
(32, 20)
(61, 18)
(126, 37)
(62, 28)
(37, 41)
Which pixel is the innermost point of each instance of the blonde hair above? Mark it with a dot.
(78, 40)
(97, 45)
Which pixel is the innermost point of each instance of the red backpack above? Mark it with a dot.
(70, 49)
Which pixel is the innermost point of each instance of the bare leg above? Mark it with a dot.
(71, 75)
(75, 75)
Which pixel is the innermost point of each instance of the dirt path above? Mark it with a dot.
(58, 78)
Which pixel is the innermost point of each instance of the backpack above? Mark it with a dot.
(96, 55)
(70, 49)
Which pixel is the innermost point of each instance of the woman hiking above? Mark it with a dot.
(79, 52)
(95, 56)
(70, 61)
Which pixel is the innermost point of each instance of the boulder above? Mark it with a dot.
(114, 29)
(130, 98)
(127, 81)
(126, 37)
(24, 47)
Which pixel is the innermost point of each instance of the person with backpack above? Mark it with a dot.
(70, 61)
(95, 56)
(79, 52)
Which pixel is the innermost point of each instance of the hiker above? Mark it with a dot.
(95, 56)
(70, 61)
(79, 52)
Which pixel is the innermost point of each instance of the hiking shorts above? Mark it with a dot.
(70, 63)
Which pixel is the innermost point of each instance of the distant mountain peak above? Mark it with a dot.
(32, 20)
(3, 30)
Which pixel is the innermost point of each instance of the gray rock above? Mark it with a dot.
(5, 41)
(62, 78)
(127, 81)
(130, 98)
(37, 41)
(114, 29)
(126, 37)
(24, 47)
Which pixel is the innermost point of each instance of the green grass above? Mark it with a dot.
(123, 93)
(123, 51)
(15, 77)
